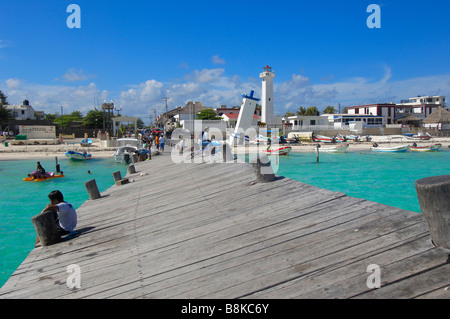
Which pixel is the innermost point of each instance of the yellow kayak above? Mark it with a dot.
(41, 179)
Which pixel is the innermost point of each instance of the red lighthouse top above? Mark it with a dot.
(267, 68)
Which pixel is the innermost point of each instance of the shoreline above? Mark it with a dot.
(24, 152)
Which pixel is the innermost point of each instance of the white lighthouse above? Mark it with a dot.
(267, 95)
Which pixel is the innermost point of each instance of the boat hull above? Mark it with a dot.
(336, 149)
(76, 156)
(323, 139)
(393, 149)
(282, 151)
(426, 148)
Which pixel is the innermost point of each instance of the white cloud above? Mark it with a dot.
(213, 87)
(50, 98)
(217, 60)
(13, 84)
(74, 75)
(205, 75)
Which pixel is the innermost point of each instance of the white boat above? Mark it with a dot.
(418, 137)
(426, 148)
(335, 149)
(126, 147)
(78, 156)
(398, 148)
(259, 139)
(282, 151)
(322, 138)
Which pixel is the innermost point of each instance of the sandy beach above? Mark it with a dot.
(22, 152)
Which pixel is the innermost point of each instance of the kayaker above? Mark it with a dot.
(40, 168)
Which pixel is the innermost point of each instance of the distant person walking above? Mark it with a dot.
(161, 144)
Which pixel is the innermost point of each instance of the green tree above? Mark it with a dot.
(301, 111)
(207, 114)
(312, 111)
(76, 116)
(5, 115)
(329, 110)
(289, 114)
(93, 119)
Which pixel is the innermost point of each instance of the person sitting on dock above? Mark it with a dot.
(64, 213)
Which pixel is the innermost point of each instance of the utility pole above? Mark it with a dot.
(167, 115)
(154, 112)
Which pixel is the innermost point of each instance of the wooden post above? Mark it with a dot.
(45, 227)
(434, 199)
(262, 169)
(118, 179)
(317, 152)
(131, 169)
(92, 189)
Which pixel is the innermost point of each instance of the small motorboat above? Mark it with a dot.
(282, 151)
(425, 148)
(418, 137)
(399, 148)
(324, 139)
(37, 176)
(78, 156)
(335, 149)
(86, 142)
(259, 139)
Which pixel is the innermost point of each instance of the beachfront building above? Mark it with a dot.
(306, 123)
(407, 112)
(438, 120)
(22, 112)
(385, 110)
(231, 119)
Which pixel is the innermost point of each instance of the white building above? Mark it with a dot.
(420, 107)
(267, 96)
(304, 122)
(22, 112)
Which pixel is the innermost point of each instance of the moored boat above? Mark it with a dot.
(425, 148)
(78, 156)
(335, 149)
(398, 148)
(324, 139)
(86, 142)
(282, 151)
(418, 137)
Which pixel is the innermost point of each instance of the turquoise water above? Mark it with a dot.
(22, 200)
(386, 178)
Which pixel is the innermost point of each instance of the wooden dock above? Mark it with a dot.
(205, 230)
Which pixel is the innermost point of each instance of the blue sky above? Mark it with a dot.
(138, 52)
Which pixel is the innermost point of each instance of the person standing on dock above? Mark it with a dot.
(161, 143)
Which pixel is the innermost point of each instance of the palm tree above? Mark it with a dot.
(301, 111)
(329, 110)
(312, 111)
